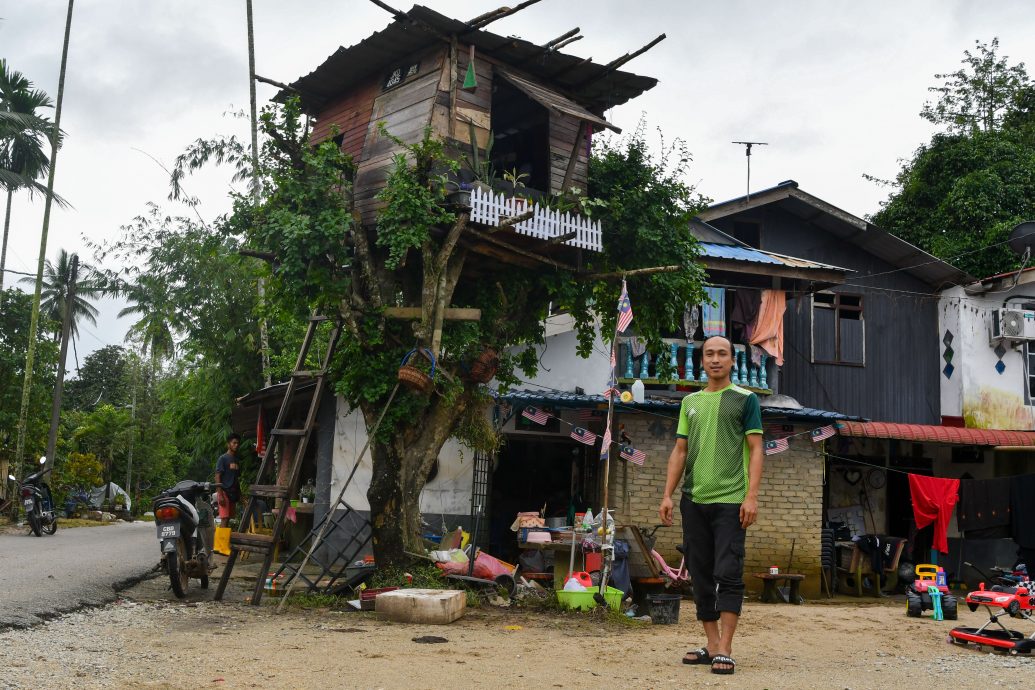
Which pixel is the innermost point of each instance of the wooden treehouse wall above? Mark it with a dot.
(426, 99)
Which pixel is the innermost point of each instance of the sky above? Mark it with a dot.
(834, 88)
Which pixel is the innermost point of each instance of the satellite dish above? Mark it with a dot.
(1022, 238)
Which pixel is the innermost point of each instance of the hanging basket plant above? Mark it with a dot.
(411, 373)
(484, 367)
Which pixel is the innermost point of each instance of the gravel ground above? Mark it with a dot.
(149, 640)
(42, 576)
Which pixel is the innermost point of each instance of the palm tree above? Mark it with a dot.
(23, 135)
(57, 284)
(149, 299)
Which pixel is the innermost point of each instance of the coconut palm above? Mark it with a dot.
(24, 133)
(149, 299)
(57, 284)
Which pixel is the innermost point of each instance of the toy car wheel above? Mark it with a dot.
(972, 607)
(1013, 608)
(949, 608)
(914, 605)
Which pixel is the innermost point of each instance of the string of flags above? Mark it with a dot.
(779, 445)
(587, 437)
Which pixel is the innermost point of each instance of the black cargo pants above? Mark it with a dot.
(713, 543)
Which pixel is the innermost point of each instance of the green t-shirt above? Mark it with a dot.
(715, 425)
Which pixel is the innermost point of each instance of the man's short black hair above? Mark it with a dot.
(233, 437)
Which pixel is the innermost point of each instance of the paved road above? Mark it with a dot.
(40, 577)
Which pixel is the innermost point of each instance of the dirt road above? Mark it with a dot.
(148, 640)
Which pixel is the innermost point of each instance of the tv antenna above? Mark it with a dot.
(747, 152)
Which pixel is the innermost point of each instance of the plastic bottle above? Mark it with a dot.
(637, 391)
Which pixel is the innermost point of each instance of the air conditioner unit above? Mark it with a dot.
(1013, 325)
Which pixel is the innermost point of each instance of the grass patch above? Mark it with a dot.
(72, 523)
(307, 601)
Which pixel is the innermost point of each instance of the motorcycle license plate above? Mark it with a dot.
(28, 505)
(168, 531)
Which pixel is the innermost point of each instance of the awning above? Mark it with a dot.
(551, 100)
(938, 434)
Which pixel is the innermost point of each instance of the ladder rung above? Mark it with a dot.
(318, 318)
(288, 432)
(308, 373)
(259, 543)
(268, 490)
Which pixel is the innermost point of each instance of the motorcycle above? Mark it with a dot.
(184, 522)
(37, 501)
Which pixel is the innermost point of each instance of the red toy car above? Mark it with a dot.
(918, 599)
(1014, 601)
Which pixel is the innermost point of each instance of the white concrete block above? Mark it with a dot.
(433, 606)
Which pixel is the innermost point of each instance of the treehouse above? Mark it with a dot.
(518, 116)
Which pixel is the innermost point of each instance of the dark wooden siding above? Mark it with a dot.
(563, 131)
(350, 115)
(899, 380)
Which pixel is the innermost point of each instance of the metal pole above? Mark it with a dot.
(132, 440)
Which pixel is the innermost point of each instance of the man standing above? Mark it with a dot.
(718, 458)
(228, 486)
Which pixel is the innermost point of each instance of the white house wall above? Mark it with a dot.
(561, 368)
(977, 391)
(449, 493)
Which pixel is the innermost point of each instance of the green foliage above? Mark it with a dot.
(76, 471)
(57, 286)
(959, 196)
(413, 198)
(980, 95)
(15, 309)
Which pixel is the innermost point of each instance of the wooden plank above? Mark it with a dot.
(452, 313)
(569, 173)
(478, 116)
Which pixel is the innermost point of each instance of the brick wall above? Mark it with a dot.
(790, 500)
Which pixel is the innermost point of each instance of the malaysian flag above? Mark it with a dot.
(632, 455)
(777, 445)
(625, 310)
(583, 436)
(536, 415)
(823, 432)
(612, 388)
(605, 449)
(614, 359)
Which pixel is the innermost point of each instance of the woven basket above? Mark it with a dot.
(413, 377)
(484, 367)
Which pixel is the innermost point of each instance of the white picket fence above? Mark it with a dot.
(488, 208)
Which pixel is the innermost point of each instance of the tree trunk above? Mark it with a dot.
(7, 228)
(23, 414)
(400, 471)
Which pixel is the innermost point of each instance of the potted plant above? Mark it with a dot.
(308, 492)
(517, 183)
(461, 197)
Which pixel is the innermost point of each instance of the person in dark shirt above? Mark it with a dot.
(228, 485)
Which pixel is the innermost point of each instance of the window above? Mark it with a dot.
(838, 329)
(1029, 361)
(521, 137)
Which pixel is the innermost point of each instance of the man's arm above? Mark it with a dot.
(749, 508)
(219, 476)
(676, 467)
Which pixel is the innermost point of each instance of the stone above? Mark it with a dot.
(428, 606)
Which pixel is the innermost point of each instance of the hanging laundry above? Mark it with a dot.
(768, 330)
(756, 355)
(714, 317)
(1022, 510)
(933, 501)
(691, 320)
(984, 508)
(637, 346)
(745, 312)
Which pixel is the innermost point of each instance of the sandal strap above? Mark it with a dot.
(722, 659)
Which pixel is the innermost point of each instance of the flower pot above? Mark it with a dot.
(413, 377)
(484, 366)
(460, 198)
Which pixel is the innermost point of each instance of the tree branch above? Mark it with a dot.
(619, 275)
(367, 268)
(514, 220)
(450, 242)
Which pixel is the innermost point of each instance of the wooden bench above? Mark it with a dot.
(772, 595)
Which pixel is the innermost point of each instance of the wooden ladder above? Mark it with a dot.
(265, 544)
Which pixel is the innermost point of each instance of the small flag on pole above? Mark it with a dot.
(625, 310)
(775, 446)
(587, 415)
(536, 415)
(824, 432)
(583, 436)
(605, 449)
(614, 359)
(632, 455)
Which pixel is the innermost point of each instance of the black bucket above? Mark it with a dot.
(663, 608)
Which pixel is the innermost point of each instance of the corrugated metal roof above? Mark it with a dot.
(589, 83)
(939, 434)
(563, 399)
(743, 253)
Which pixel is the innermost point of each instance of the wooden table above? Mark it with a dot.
(770, 593)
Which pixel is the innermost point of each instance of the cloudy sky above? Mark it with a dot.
(835, 88)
